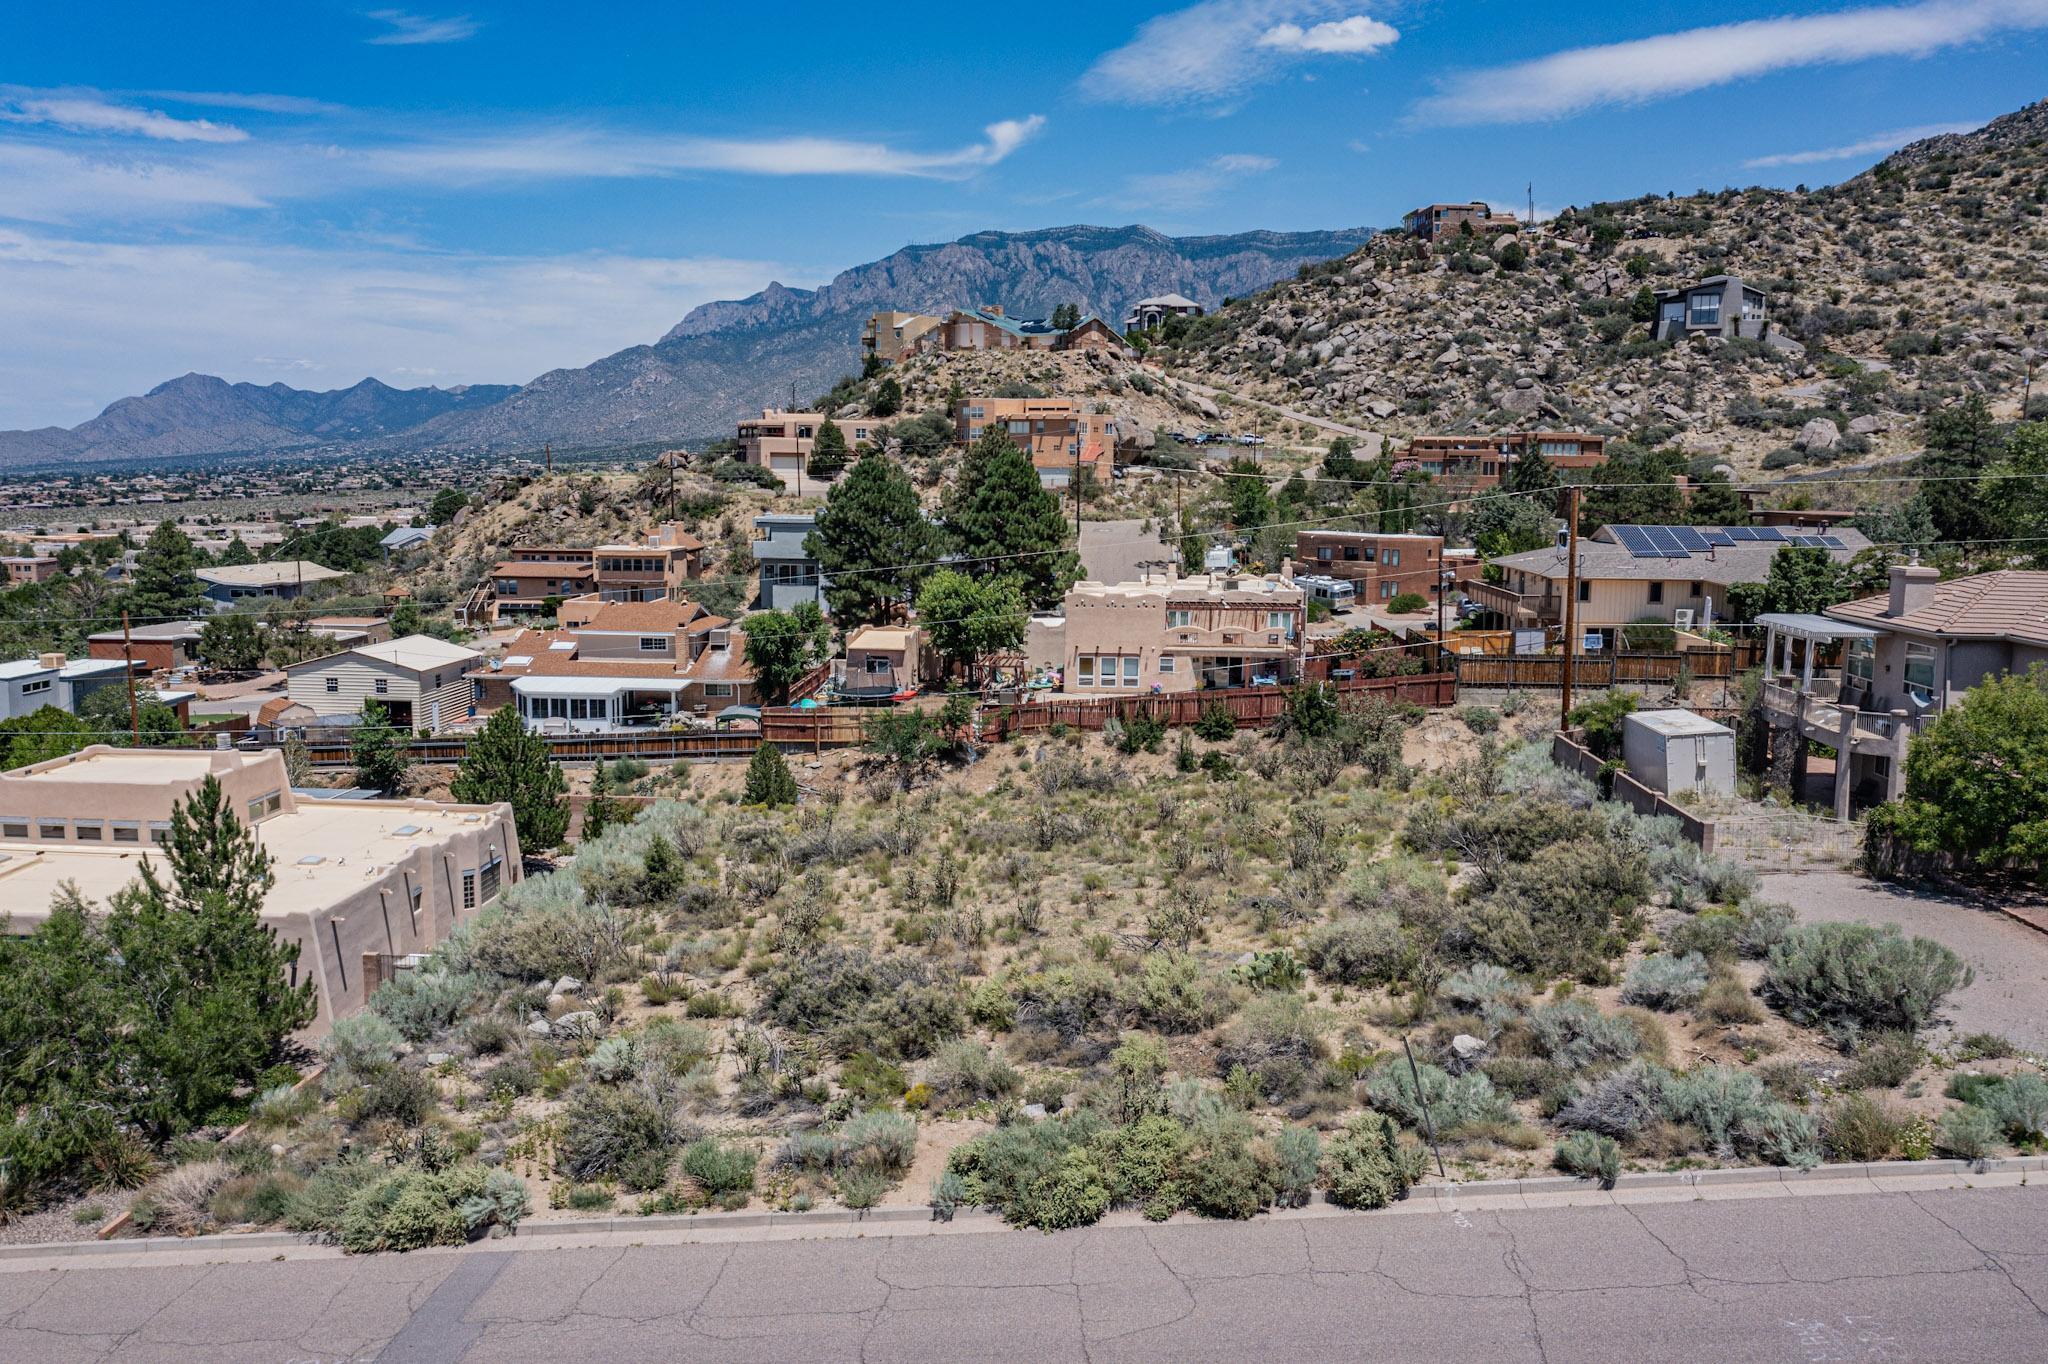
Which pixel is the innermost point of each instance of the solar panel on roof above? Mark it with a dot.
(1832, 542)
(1770, 533)
(1689, 539)
(1636, 542)
(1741, 535)
(1805, 541)
(1665, 542)
(1719, 538)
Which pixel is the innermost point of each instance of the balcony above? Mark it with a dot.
(1818, 714)
(1520, 608)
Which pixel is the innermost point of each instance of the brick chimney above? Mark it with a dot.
(1912, 588)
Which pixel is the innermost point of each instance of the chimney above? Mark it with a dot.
(1286, 568)
(1912, 588)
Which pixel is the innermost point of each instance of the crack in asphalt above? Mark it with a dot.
(1989, 1258)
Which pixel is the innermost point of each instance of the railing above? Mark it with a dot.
(1819, 717)
(1494, 597)
(1592, 670)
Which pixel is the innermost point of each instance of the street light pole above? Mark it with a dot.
(1571, 602)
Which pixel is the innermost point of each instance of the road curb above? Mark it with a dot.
(1448, 1193)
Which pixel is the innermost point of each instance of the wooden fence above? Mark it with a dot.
(1252, 707)
(1594, 671)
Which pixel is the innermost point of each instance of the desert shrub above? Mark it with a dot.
(719, 1168)
(1360, 949)
(949, 1191)
(1736, 1115)
(504, 1201)
(612, 1061)
(1297, 1155)
(284, 1106)
(179, 1202)
(1069, 1000)
(1727, 1001)
(1274, 1038)
(1575, 1035)
(869, 1078)
(1884, 1061)
(411, 1208)
(1525, 1077)
(1043, 1174)
(1764, 926)
(2020, 1103)
(861, 1189)
(990, 1006)
(1274, 969)
(878, 1140)
(1619, 1104)
(1589, 1156)
(963, 1071)
(1407, 603)
(1365, 1165)
(1216, 723)
(1454, 1102)
(489, 1035)
(541, 928)
(262, 1199)
(1554, 913)
(1480, 719)
(391, 1095)
(424, 1004)
(887, 1004)
(1072, 1193)
(1855, 978)
(1663, 981)
(356, 1047)
(616, 1134)
(1781, 1135)
(1224, 1174)
(1860, 1128)
(1984, 1046)
(1486, 990)
(323, 1202)
(1172, 994)
(1141, 1159)
(1967, 1133)
(1713, 934)
(516, 1075)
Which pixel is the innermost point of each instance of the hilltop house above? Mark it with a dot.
(1720, 305)
(654, 568)
(1059, 434)
(889, 336)
(782, 442)
(1482, 461)
(627, 664)
(419, 680)
(1148, 313)
(1677, 574)
(359, 883)
(278, 579)
(1436, 220)
(1168, 633)
(788, 572)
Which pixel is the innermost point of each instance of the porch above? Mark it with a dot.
(1808, 683)
(596, 705)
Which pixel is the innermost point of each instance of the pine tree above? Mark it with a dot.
(1532, 473)
(1003, 523)
(601, 811)
(166, 585)
(506, 763)
(210, 853)
(379, 750)
(406, 619)
(873, 543)
(768, 779)
(237, 552)
(662, 877)
(829, 452)
(888, 397)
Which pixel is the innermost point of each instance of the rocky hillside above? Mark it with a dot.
(1899, 290)
(714, 365)
(726, 358)
(199, 414)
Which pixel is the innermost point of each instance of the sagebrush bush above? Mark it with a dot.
(1575, 1035)
(615, 1133)
(1663, 981)
(2020, 1104)
(1855, 978)
(1223, 1173)
(964, 1071)
(411, 1208)
(1297, 1155)
(880, 1140)
(1589, 1156)
(1366, 1166)
(1619, 1104)
(1883, 1061)
(1484, 989)
(1967, 1133)
(719, 1168)
(886, 1004)
(1764, 926)
(1860, 1128)
(1276, 1039)
(424, 1004)
(1043, 1174)
(1174, 995)
(356, 1047)
(1454, 1102)
(1360, 949)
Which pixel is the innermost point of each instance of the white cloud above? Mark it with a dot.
(84, 322)
(569, 153)
(48, 185)
(1215, 50)
(408, 29)
(259, 103)
(1875, 145)
(1189, 188)
(1697, 59)
(1358, 33)
(87, 113)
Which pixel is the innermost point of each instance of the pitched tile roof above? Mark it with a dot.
(2010, 604)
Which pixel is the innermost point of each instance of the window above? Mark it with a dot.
(383, 686)
(1585, 591)
(469, 889)
(50, 828)
(1697, 589)
(1323, 553)
(1390, 557)
(14, 829)
(1131, 670)
(159, 831)
(1084, 670)
(720, 689)
(1179, 620)
(1386, 591)
(34, 688)
(333, 684)
(654, 644)
(490, 880)
(91, 831)
(1706, 310)
(1920, 672)
(1352, 554)
(1656, 593)
(1166, 663)
(263, 805)
(1276, 620)
(127, 833)
(1857, 663)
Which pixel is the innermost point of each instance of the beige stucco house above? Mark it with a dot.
(1169, 633)
(360, 884)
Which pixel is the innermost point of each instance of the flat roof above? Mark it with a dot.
(355, 840)
(267, 575)
(418, 652)
(130, 767)
(1802, 625)
(23, 667)
(1675, 723)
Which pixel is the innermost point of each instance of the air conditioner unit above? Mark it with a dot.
(1682, 618)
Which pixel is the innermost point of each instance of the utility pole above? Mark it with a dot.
(128, 657)
(1571, 601)
(548, 453)
(1077, 493)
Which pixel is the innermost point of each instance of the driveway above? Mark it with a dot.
(2010, 993)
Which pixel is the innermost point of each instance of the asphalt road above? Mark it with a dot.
(1949, 1274)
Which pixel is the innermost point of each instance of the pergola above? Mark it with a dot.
(1809, 631)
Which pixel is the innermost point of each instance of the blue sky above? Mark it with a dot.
(317, 191)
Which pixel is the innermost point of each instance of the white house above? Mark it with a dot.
(419, 680)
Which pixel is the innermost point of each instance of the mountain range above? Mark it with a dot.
(721, 360)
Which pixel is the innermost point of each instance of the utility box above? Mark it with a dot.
(1676, 751)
